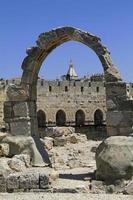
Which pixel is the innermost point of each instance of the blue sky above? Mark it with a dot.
(21, 21)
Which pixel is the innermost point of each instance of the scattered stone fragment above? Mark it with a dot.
(4, 149)
(72, 138)
(60, 141)
(16, 164)
(48, 142)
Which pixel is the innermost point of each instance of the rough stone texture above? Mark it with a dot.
(60, 141)
(12, 182)
(59, 131)
(4, 167)
(4, 149)
(72, 138)
(43, 181)
(2, 135)
(2, 183)
(65, 196)
(25, 158)
(16, 93)
(27, 145)
(17, 164)
(114, 158)
(48, 142)
(29, 181)
(129, 188)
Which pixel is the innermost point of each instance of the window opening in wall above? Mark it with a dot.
(50, 88)
(82, 89)
(97, 89)
(66, 89)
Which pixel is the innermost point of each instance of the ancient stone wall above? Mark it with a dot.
(84, 95)
(71, 96)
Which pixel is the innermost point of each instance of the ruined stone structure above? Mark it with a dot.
(67, 102)
(20, 109)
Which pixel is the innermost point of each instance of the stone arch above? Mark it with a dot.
(41, 118)
(45, 44)
(98, 117)
(60, 118)
(50, 40)
(80, 118)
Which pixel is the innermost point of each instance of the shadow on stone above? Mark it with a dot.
(41, 149)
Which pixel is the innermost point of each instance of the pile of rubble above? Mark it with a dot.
(78, 165)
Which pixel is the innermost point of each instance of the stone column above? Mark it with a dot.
(119, 117)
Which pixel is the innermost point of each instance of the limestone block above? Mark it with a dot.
(29, 181)
(4, 149)
(21, 127)
(21, 109)
(59, 131)
(16, 164)
(24, 158)
(28, 145)
(119, 118)
(12, 182)
(114, 158)
(43, 181)
(16, 93)
(2, 183)
(8, 109)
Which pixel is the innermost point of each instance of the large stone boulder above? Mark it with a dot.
(114, 158)
(19, 162)
(31, 146)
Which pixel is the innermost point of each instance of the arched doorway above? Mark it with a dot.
(41, 118)
(79, 118)
(60, 118)
(98, 117)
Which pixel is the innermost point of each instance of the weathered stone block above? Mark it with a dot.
(2, 183)
(114, 159)
(16, 164)
(43, 181)
(29, 181)
(119, 118)
(21, 127)
(8, 110)
(21, 109)
(12, 182)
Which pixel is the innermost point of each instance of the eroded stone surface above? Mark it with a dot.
(114, 158)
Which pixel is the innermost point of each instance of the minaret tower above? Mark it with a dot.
(71, 74)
